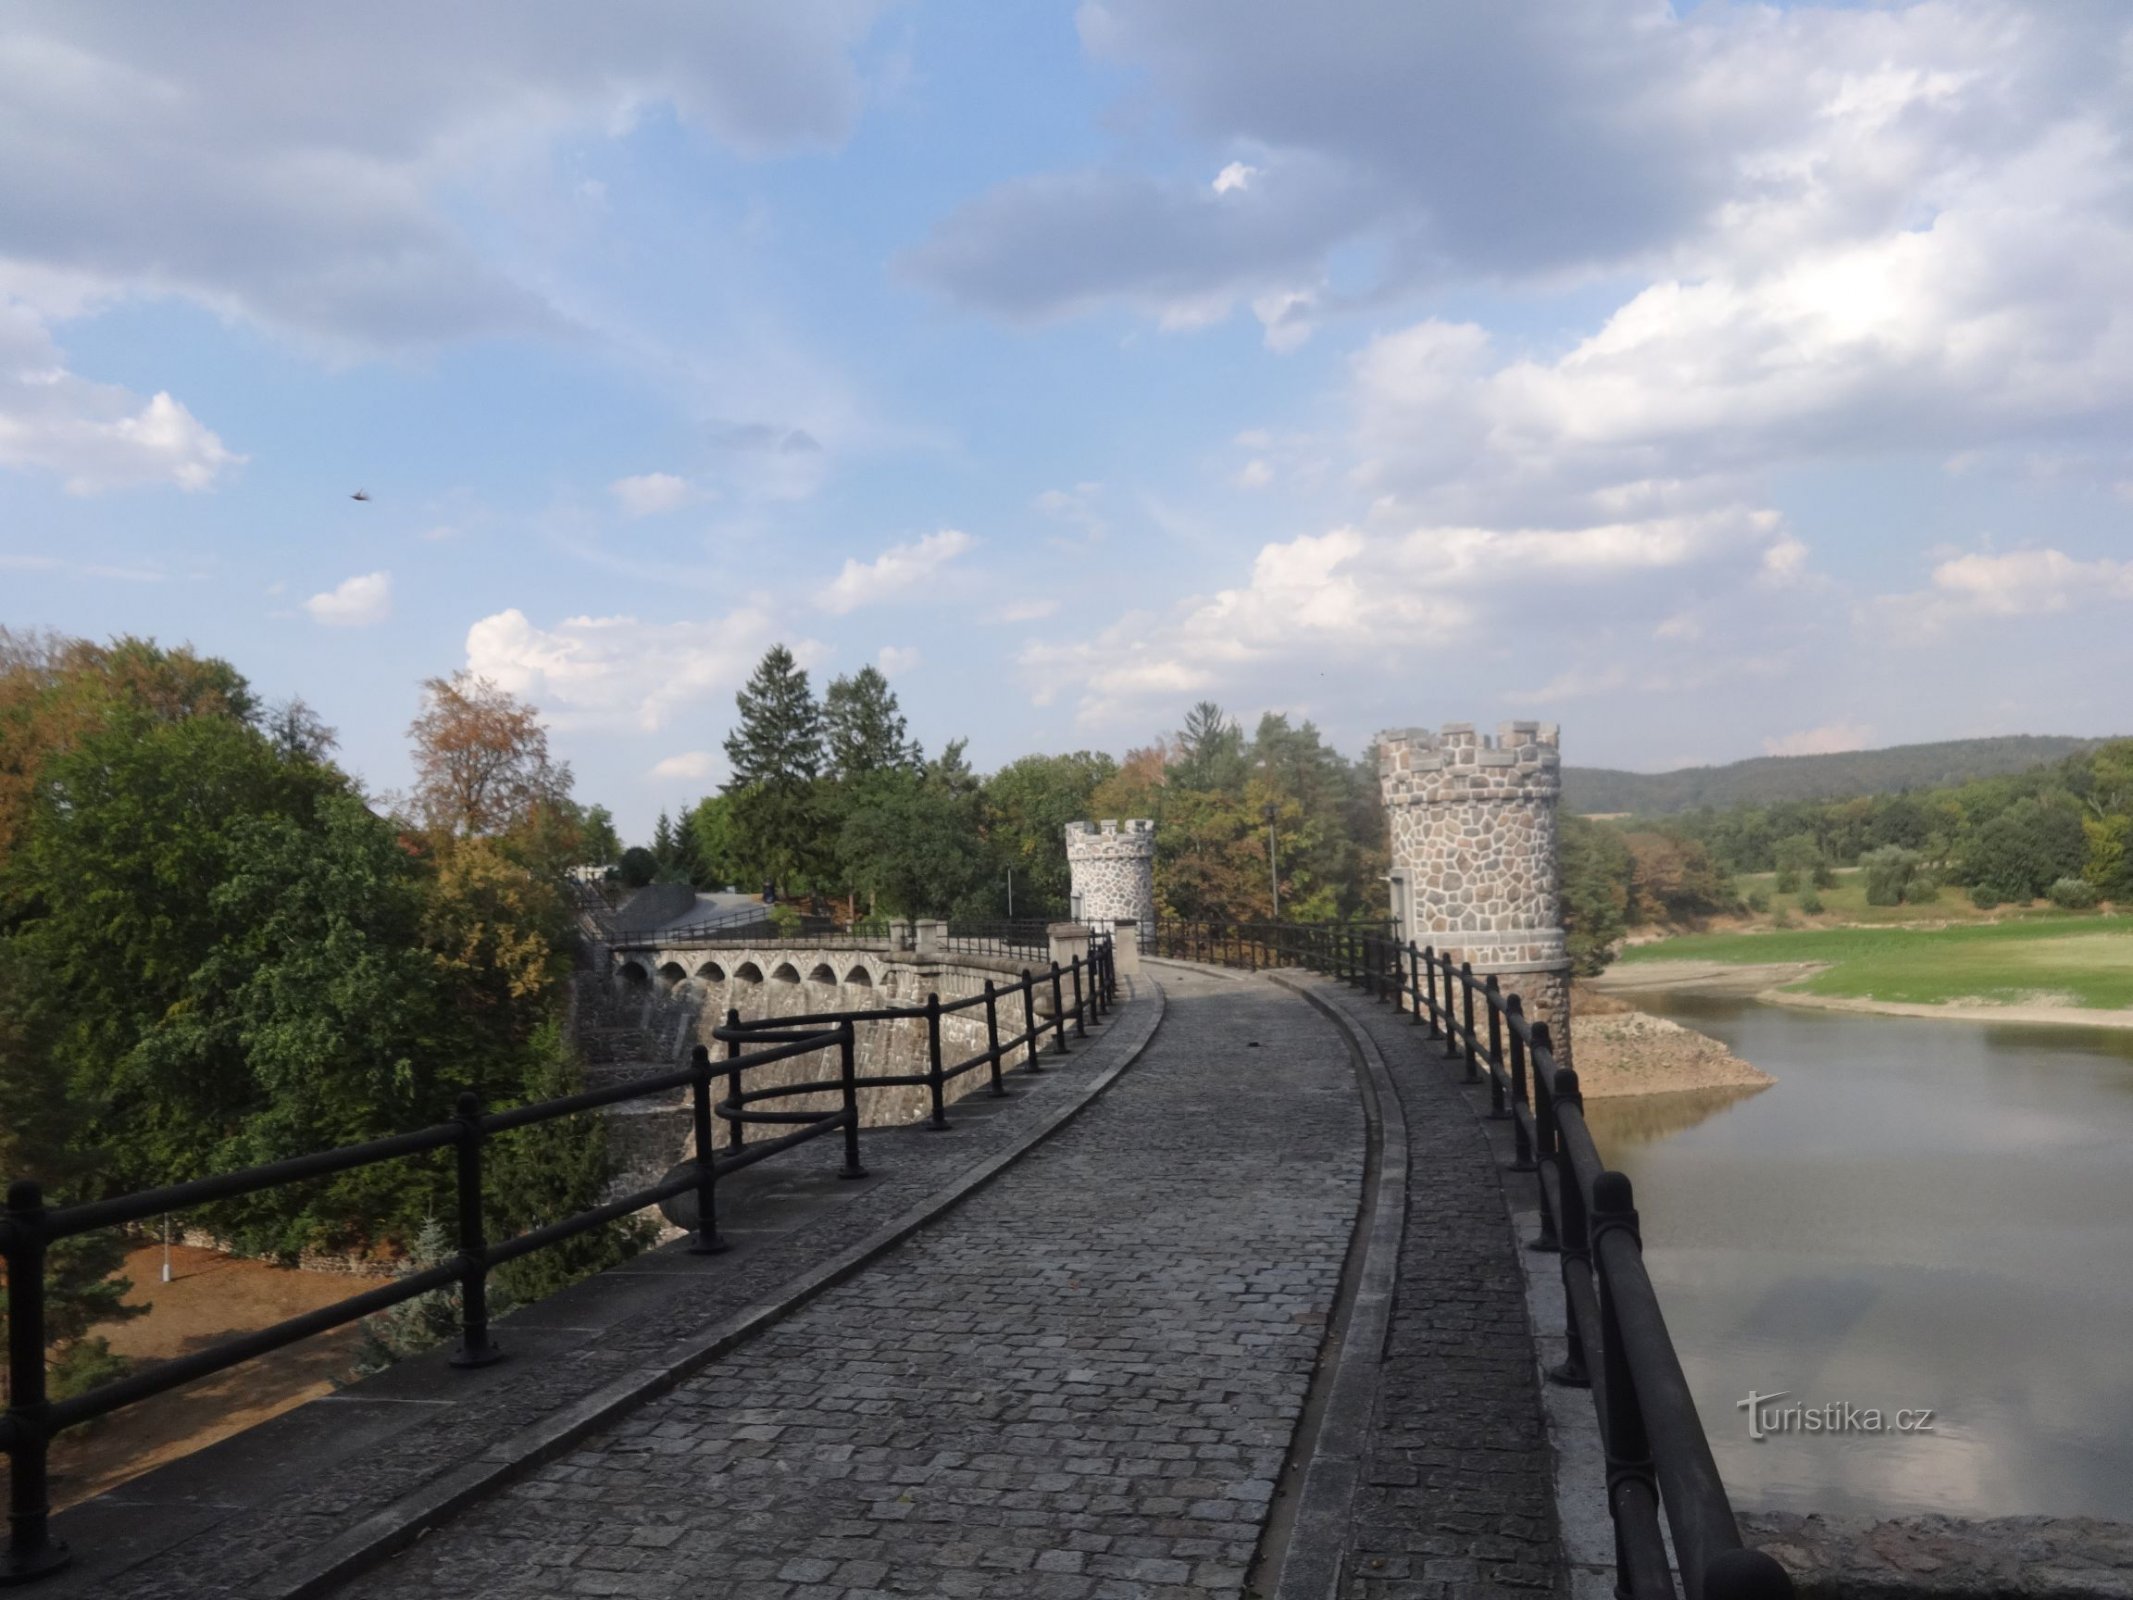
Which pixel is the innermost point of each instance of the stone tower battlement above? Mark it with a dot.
(1475, 857)
(1112, 867)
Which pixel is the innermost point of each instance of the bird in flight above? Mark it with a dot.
(360, 494)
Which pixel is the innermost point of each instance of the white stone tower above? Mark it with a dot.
(1112, 865)
(1476, 869)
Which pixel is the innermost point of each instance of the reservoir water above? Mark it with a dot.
(1917, 1214)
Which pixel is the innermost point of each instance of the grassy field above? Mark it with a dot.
(2073, 960)
(1845, 901)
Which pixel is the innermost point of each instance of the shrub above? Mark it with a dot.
(1788, 880)
(2072, 894)
(1923, 886)
(1811, 903)
(1782, 920)
(1758, 901)
(1825, 875)
(1889, 874)
(1984, 896)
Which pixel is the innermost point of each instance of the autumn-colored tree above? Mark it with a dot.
(481, 759)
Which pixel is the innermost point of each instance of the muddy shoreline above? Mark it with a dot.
(1763, 981)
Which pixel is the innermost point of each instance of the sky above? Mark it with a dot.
(1715, 380)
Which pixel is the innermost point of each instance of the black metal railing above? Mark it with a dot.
(1658, 1456)
(1053, 1001)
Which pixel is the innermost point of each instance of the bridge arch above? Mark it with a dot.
(711, 972)
(633, 974)
(860, 977)
(785, 972)
(748, 973)
(672, 974)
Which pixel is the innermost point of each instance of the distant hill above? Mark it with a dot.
(1765, 780)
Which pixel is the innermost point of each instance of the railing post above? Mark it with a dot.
(1399, 977)
(1623, 1436)
(1521, 1140)
(848, 1079)
(992, 1039)
(1081, 1030)
(735, 1137)
(935, 1083)
(1059, 1044)
(1029, 1020)
(1492, 992)
(1414, 986)
(31, 1549)
(708, 1241)
(475, 1348)
(1451, 1007)
(1544, 1145)
(1466, 987)
(1574, 1234)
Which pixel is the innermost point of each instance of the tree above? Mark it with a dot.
(481, 759)
(1210, 751)
(775, 752)
(1799, 860)
(1890, 873)
(1597, 872)
(297, 732)
(864, 728)
(2020, 852)
(602, 845)
(1027, 805)
(709, 825)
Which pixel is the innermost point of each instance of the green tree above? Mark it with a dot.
(1890, 873)
(2020, 852)
(776, 755)
(709, 824)
(602, 845)
(1027, 805)
(1597, 872)
(1210, 751)
(863, 727)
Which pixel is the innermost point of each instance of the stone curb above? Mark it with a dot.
(386, 1532)
(1339, 1437)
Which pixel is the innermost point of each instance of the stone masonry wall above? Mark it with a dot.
(1112, 865)
(1475, 854)
(635, 1026)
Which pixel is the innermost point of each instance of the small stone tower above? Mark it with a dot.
(1475, 863)
(1113, 870)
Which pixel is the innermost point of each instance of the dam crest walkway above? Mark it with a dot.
(1227, 1301)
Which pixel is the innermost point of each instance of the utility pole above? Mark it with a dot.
(1273, 867)
(1010, 894)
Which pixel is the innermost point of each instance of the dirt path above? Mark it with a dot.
(210, 1297)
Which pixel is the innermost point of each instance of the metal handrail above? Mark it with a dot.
(28, 1228)
(1658, 1455)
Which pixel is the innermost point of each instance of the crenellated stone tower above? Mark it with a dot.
(1475, 864)
(1112, 866)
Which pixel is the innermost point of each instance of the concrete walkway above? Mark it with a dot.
(1082, 1382)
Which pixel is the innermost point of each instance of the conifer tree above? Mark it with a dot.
(775, 752)
(865, 727)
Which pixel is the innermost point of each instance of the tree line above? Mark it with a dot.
(2062, 831)
(832, 799)
(216, 951)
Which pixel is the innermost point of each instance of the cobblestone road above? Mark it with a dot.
(1457, 1495)
(1081, 1383)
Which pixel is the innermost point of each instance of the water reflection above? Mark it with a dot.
(1917, 1213)
(1641, 1118)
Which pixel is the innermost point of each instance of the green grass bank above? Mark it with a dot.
(2084, 961)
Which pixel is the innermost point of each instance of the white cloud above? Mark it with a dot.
(895, 571)
(609, 672)
(1026, 610)
(1828, 740)
(1236, 175)
(354, 602)
(96, 436)
(897, 659)
(1255, 474)
(696, 764)
(206, 157)
(650, 493)
(2018, 583)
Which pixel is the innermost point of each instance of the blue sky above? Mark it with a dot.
(1714, 381)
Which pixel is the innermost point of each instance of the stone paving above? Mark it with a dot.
(1081, 1383)
(1456, 1497)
